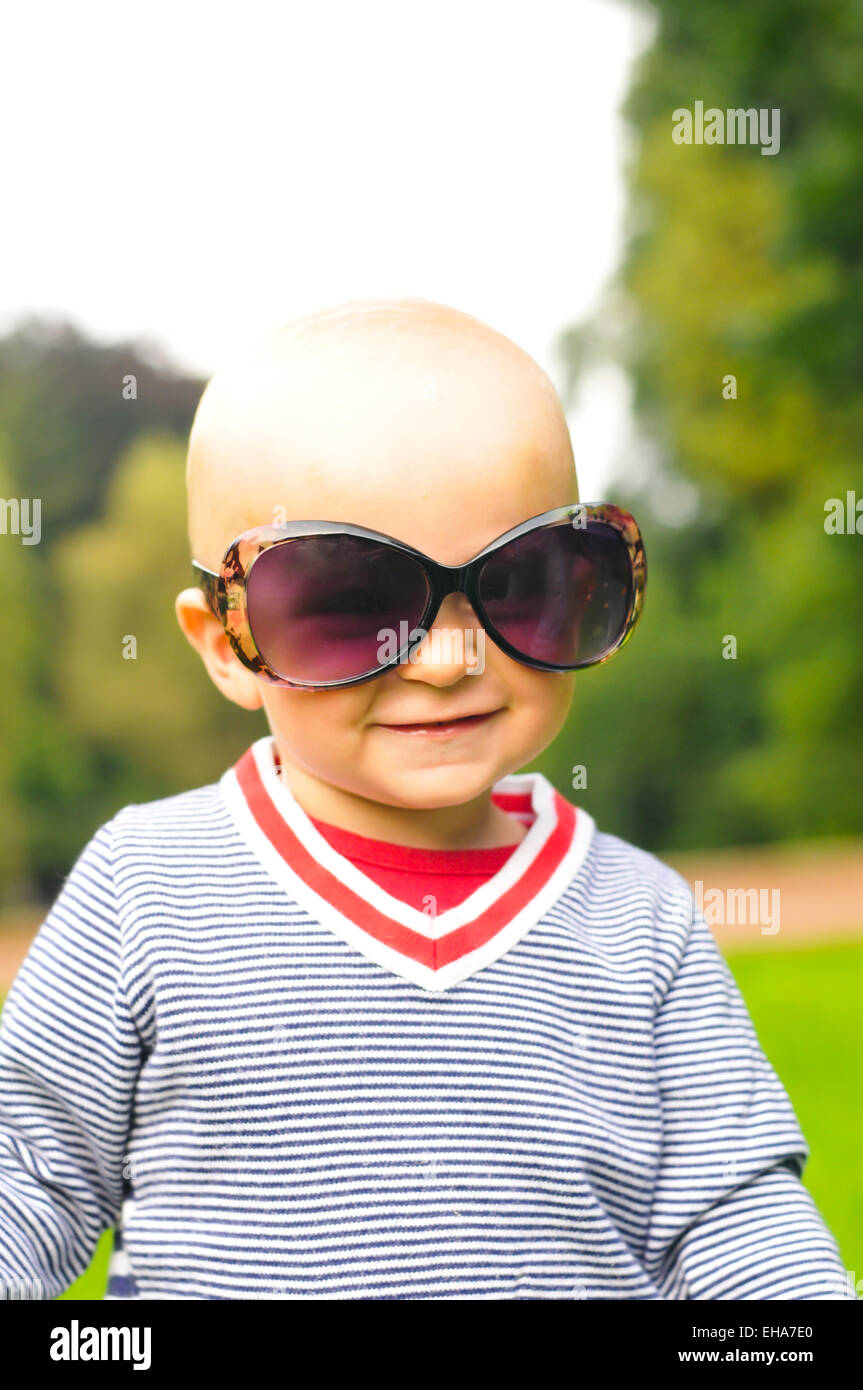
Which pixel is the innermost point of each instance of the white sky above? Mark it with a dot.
(194, 173)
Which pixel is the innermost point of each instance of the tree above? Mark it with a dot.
(746, 265)
(132, 690)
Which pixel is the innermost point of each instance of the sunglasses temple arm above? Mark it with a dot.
(209, 583)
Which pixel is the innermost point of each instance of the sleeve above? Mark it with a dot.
(730, 1218)
(70, 1055)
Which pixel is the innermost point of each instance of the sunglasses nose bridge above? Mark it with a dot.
(452, 579)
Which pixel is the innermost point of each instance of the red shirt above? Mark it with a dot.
(418, 875)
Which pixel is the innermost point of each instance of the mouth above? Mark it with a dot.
(443, 728)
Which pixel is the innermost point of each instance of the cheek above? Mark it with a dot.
(315, 721)
(543, 700)
(564, 688)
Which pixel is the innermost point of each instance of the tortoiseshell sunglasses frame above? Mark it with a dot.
(225, 591)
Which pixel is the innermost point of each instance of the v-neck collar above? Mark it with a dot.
(434, 952)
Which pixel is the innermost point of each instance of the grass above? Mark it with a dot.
(804, 1003)
(92, 1282)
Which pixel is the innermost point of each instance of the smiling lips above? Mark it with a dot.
(441, 728)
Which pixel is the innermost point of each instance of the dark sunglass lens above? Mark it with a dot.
(318, 605)
(560, 594)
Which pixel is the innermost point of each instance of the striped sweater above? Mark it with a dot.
(275, 1080)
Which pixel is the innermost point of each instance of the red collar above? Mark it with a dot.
(434, 952)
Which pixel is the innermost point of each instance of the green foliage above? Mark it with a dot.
(84, 731)
(65, 421)
(16, 690)
(746, 265)
(153, 720)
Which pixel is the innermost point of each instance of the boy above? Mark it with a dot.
(374, 1016)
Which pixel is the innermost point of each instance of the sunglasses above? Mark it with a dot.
(315, 605)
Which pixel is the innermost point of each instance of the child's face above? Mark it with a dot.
(443, 441)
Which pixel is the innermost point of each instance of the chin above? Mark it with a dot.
(430, 788)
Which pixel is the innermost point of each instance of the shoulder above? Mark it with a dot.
(171, 833)
(177, 859)
(627, 893)
(623, 870)
(168, 814)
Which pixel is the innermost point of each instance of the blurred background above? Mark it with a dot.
(182, 184)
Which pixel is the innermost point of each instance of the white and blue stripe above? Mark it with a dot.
(277, 1115)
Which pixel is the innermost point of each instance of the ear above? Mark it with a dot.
(205, 633)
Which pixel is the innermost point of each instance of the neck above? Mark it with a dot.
(476, 824)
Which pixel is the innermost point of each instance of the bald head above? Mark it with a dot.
(402, 415)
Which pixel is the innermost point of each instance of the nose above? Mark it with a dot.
(452, 648)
